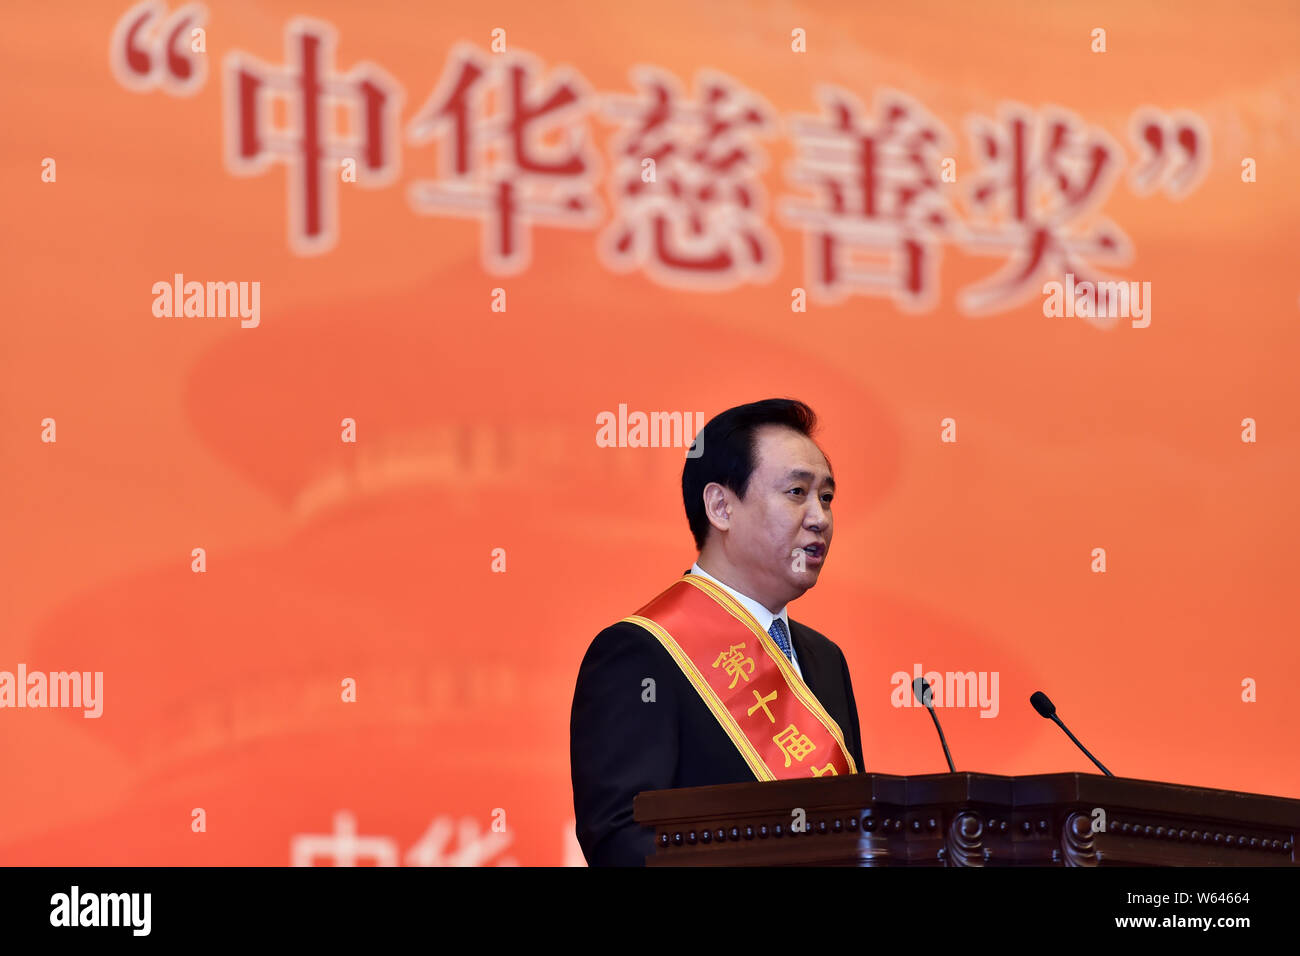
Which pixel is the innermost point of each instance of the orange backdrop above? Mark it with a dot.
(475, 429)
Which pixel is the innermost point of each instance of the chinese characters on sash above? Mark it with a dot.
(792, 743)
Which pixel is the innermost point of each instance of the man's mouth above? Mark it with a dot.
(815, 550)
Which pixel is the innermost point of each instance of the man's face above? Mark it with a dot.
(786, 508)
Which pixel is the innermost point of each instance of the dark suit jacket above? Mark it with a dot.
(620, 745)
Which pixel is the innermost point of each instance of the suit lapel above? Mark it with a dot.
(801, 650)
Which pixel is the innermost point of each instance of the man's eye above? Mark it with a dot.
(828, 498)
(800, 490)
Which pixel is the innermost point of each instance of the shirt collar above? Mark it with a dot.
(761, 614)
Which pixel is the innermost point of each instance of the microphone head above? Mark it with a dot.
(923, 691)
(1043, 704)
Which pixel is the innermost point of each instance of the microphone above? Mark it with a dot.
(924, 693)
(1043, 704)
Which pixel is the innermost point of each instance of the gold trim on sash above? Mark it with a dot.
(675, 608)
(792, 678)
(701, 686)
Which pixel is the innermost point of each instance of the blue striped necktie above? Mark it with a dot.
(777, 630)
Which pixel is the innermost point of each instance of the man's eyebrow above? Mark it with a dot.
(808, 476)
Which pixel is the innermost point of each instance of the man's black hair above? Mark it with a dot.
(728, 457)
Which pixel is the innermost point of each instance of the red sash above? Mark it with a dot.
(767, 710)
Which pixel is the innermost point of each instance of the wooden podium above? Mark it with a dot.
(967, 819)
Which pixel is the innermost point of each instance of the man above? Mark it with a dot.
(711, 682)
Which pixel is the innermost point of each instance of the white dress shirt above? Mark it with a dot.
(761, 614)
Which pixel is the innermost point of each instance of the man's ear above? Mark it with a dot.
(717, 506)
